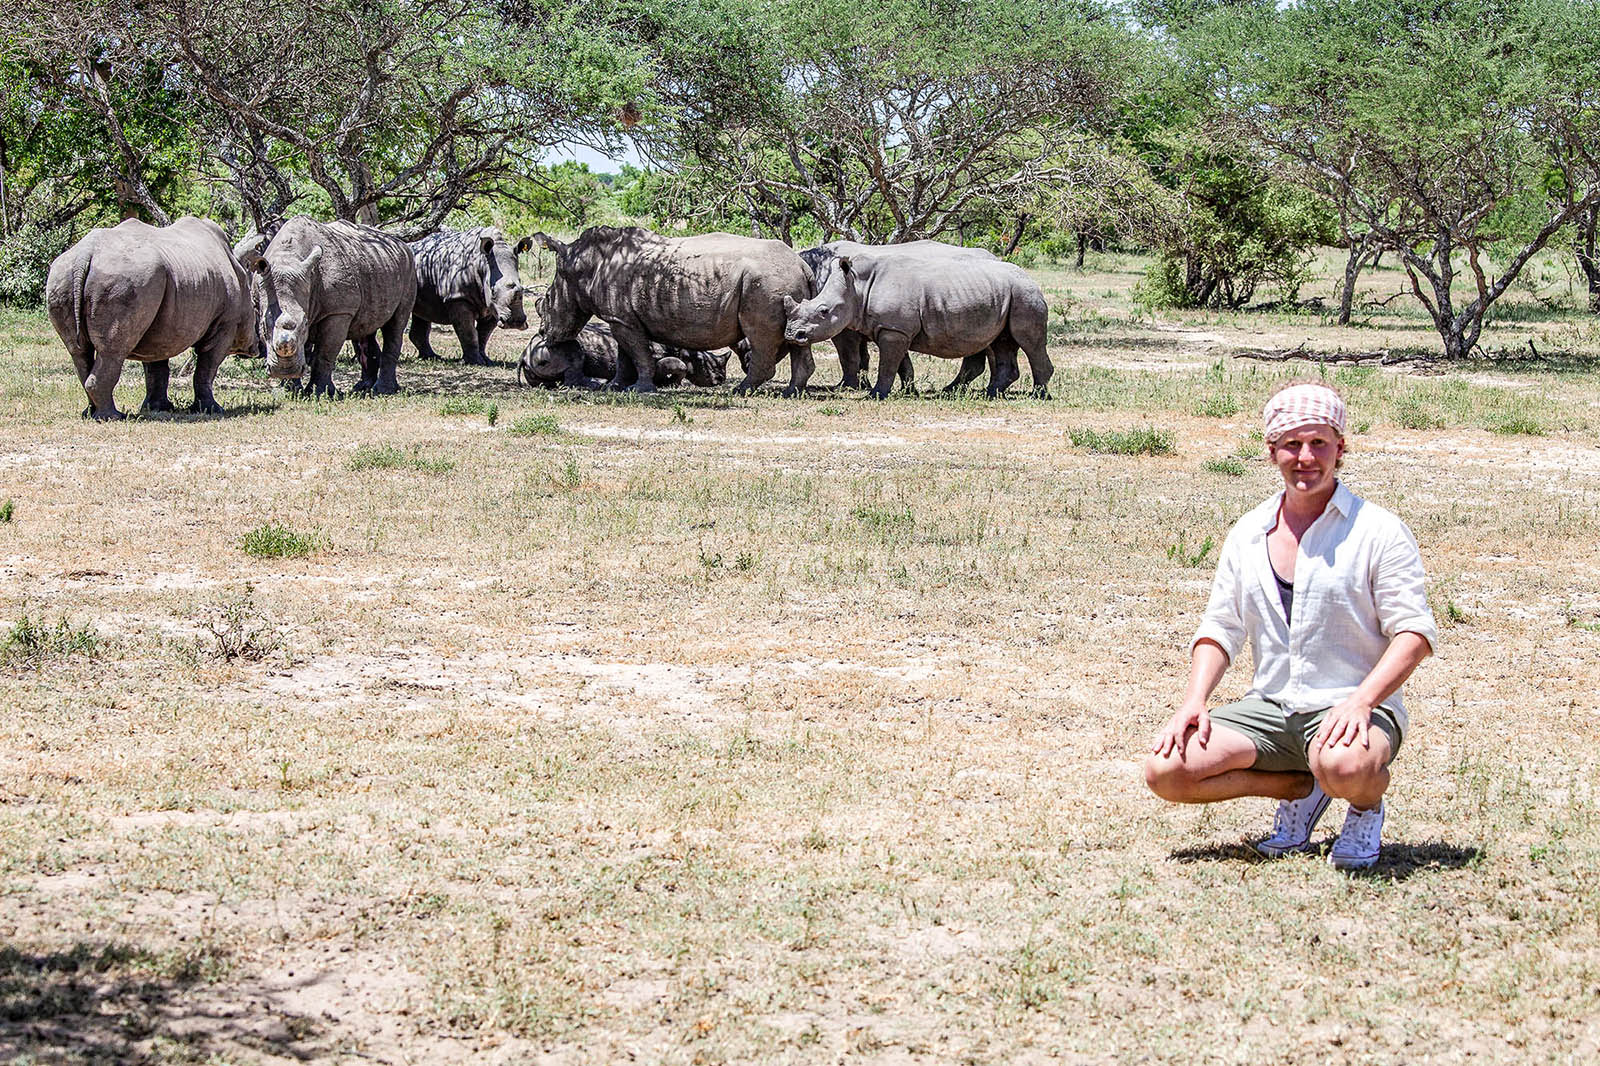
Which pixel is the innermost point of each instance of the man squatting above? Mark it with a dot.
(1328, 590)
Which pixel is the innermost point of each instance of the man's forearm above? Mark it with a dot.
(1405, 652)
(1207, 663)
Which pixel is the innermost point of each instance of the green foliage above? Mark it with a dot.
(1124, 442)
(1231, 465)
(31, 641)
(8, 511)
(25, 258)
(1179, 552)
(273, 541)
(536, 426)
(389, 457)
(464, 405)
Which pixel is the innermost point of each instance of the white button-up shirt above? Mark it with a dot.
(1357, 583)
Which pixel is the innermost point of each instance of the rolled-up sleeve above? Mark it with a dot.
(1224, 618)
(1399, 589)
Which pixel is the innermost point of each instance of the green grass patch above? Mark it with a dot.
(536, 426)
(1123, 442)
(1231, 465)
(1413, 415)
(389, 457)
(1517, 425)
(273, 541)
(465, 405)
(31, 641)
(8, 511)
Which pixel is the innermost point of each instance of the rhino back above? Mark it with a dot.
(447, 267)
(948, 306)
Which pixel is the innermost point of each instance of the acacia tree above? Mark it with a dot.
(883, 122)
(1447, 129)
(396, 110)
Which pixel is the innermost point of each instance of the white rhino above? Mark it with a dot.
(322, 284)
(951, 308)
(696, 293)
(149, 293)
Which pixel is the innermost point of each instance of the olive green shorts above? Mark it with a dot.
(1281, 739)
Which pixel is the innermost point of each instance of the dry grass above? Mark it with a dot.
(788, 731)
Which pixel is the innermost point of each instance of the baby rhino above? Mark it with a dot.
(149, 293)
(591, 360)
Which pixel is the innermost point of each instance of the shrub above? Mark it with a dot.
(32, 642)
(1231, 465)
(536, 426)
(25, 258)
(278, 542)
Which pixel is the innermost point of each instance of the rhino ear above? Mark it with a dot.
(486, 242)
(248, 251)
(522, 246)
(550, 243)
(845, 264)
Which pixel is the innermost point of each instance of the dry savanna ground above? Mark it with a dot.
(479, 725)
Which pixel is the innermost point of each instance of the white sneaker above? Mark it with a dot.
(1292, 825)
(1359, 840)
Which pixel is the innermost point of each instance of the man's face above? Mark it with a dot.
(1308, 457)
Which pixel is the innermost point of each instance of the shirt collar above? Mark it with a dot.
(1343, 501)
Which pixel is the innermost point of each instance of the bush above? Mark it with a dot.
(25, 258)
(277, 542)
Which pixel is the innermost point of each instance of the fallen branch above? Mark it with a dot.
(1386, 301)
(1280, 355)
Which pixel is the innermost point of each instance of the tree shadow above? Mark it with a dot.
(113, 1003)
(1396, 862)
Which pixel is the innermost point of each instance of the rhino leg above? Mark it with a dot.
(801, 364)
(485, 330)
(330, 334)
(208, 357)
(367, 359)
(421, 328)
(633, 357)
(852, 349)
(893, 349)
(465, 324)
(157, 373)
(100, 384)
(1028, 326)
(971, 367)
(389, 356)
(1003, 371)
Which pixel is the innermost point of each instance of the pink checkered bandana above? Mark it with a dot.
(1302, 405)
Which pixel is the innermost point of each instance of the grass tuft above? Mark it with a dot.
(8, 511)
(1517, 425)
(536, 426)
(31, 642)
(1231, 465)
(1124, 442)
(389, 457)
(273, 541)
(465, 405)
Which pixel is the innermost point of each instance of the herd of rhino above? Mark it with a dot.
(627, 308)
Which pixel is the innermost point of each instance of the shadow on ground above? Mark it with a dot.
(1396, 862)
(110, 1003)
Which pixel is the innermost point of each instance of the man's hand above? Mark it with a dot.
(1170, 738)
(1349, 722)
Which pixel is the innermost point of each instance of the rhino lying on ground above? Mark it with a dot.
(951, 309)
(694, 293)
(590, 362)
(149, 293)
(852, 346)
(321, 285)
(467, 280)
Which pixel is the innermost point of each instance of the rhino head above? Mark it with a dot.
(560, 308)
(502, 285)
(286, 296)
(826, 314)
(552, 365)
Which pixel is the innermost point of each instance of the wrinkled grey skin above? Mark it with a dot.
(950, 308)
(590, 362)
(320, 285)
(852, 346)
(694, 293)
(467, 280)
(149, 293)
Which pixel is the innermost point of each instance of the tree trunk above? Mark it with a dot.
(1587, 261)
(1352, 271)
(1016, 238)
(1083, 244)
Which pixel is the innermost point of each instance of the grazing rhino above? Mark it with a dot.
(944, 307)
(694, 293)
(590, 362)
(469, 280)
(149, 293)
(852, 346)
(322, 284)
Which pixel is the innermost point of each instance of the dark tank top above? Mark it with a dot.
(1285, 592)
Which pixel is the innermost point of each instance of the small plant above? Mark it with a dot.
(1576, 621)
(389, 457)
(8, 510)
(465, 405)
(711, 561)
(536, 426)
(240, 630)
(831, 411)
(33, 642)
(679, 415)
(887, 522)
(1222, 406)
(746, 561)
(1454, 614)
(1517, 425)
(1180, 554)
(494, 413)
(1412, 415)
(1231, 465)
(1124, 442)
(571, 477)
(273, 541)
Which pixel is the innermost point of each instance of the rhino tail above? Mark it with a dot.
(81, 345)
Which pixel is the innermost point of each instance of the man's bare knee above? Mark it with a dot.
(1168, 777)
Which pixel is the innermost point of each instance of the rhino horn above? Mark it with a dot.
(789, 305)
(248, 251)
